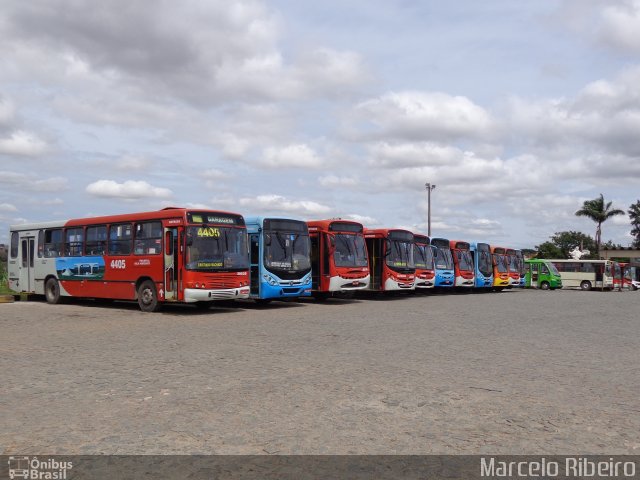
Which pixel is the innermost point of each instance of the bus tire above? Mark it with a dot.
(545, 286)
(52, 291)
(148, 297)
(585, 285)
(202, 305)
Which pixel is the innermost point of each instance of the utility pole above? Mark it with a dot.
(429, 187)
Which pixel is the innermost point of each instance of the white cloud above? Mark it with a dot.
(30, 182)
(280, 204)
(620, 25)
(128, 190)
(426, 116)
(133, 162)
(399, 155)
(7, 207)
(334, 181)
(22, 143)
(291, 156)
(366, 220)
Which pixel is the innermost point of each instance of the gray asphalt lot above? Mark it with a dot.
(517, 372)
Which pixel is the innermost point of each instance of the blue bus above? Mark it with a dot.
(279, 257)
(443, 261)
(481, 253)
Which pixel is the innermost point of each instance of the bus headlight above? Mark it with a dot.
(270, 280)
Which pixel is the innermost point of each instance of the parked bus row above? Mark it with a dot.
(195, 256)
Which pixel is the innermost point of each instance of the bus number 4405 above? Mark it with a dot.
(118, 264)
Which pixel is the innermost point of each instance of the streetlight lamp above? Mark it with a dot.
(429, 187)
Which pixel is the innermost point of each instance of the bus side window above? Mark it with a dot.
(544, 270)
(120, 236)
(40, 243)
(53, 243)
(74, 239)
(96, 242)
(148, 239)
(14, 245)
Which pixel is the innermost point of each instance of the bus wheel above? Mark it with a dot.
(148, 297)
(545, 286)
(202, 305)
(52, 291)
(585, 285)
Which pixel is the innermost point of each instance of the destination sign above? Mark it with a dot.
(215, 218)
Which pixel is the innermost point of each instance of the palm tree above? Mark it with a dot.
(597, 211)
(634, 215)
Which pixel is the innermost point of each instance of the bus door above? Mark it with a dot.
(254, 257)
(374, 247)
(534, 274)
(27, 270)
(172, 263)
(315, 260)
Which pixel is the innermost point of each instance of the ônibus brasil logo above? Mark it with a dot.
(33, 468)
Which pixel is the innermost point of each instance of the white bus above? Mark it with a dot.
(586, 274)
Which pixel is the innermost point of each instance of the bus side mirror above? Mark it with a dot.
(332, 241)
(267, 239)
(189, 240)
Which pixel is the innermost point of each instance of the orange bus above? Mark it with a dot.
(391, 261)
(338, 257)
(464, 270)
(170, 255)
(500, 267)
(423, 258)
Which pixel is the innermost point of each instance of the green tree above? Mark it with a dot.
(634, 215)
(562, 243)
(599, 212)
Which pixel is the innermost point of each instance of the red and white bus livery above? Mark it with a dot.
(423, 259)
(462, 264)
(170, 255)
(391, 261)
(338, 257)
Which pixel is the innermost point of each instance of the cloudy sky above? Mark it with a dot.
(516, 111)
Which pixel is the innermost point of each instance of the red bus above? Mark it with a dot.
(170, 255)
(514, 267)
(500, 267)
(338, 257)
(391, 260)
(423, 258)
(462, 264)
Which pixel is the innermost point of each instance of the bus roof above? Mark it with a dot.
(459, 244)
(325, 224)
(422, 239)
(384, 232)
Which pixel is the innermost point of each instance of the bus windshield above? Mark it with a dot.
(287, 250)
(443, 259)
(501, 262)
(216, 248)
(553, 268)
(400, 254)
(423, 256)
(464, 260)
(484, 262)
(350, 251)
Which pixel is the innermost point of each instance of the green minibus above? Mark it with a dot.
(541, 273)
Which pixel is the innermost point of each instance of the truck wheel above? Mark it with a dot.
(52, 291)
(585, 285)
(148, 297)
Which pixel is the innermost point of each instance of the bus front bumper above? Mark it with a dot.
(201, 295)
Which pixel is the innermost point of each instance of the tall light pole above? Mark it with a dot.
(429, 187)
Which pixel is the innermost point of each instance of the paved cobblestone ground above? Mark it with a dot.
(513, 372)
